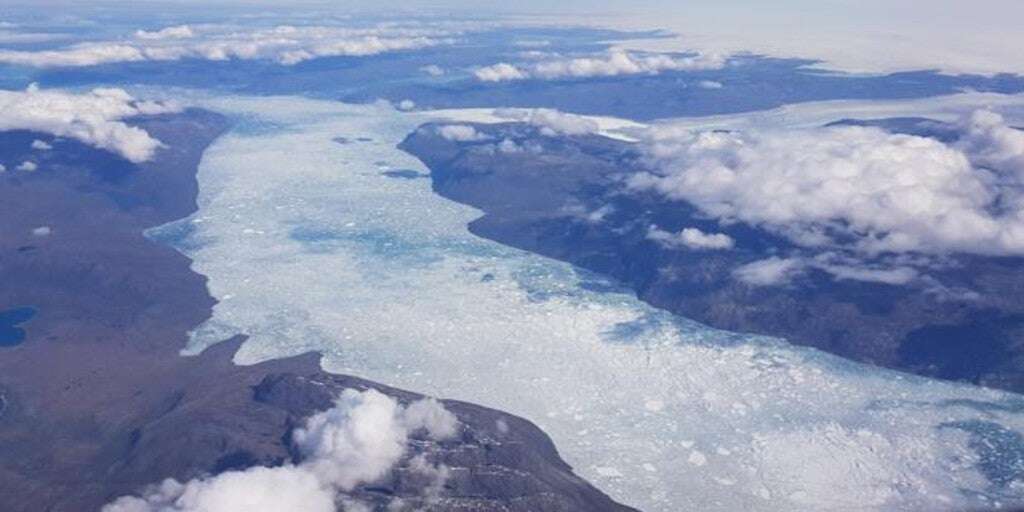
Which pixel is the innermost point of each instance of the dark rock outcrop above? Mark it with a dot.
(966, 323)
(96, 402)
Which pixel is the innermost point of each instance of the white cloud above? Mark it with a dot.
(41, 145)
(86, 54)
(176, 32)
(10, 37)
(691, 238)
(460, 133)
(551, 122)
(858, 189)
(94, 118)
(599, 214)
(873, 36)
(710, 84)
(500, 72)
(359, 440)
(433, 70)
(895, 276)
(436, 475)
(365, 434)
(509, 146)
(3, 168)
(287, 45)
(27, 166)
(431, 416)
(578, 210)
(406, 105)
(615, 62)
(532, 43)
(991, 143)
(42, 231)
(256, 489)
(356, 441)
(770, 271)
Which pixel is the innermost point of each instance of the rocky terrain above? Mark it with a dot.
(565, 197)
(96, 401)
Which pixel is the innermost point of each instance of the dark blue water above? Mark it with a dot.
(1000, 450)
(10, 332)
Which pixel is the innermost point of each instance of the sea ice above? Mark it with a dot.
(308, 246)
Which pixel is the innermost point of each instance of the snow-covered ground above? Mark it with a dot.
(308, 246)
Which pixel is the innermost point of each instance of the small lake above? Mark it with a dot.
(10, 319)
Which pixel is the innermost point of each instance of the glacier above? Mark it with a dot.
(308, 246)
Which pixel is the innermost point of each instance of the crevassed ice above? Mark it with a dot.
(307, 246)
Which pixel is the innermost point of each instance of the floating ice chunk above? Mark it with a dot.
(697, 458)
(654, 405)
(608, 472)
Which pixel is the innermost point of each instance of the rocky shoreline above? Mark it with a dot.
(97, 402)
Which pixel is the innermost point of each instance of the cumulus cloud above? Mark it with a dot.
(176, 32)
(85, 54)
(530, 43)
(690, 238)
(287, 45)
(27, 166)
(41, 145)
(430, 415)
(42, 231)
(776, 271)
(433, 70)
(551, 122)
(500, 72)
(94, 118)
(991, 143)
(365, 434)
(460, 133)
(257, 489)
(857, 203)
(509, 146)
(894, 275)
(615, 62)
(11, 37)
(771, 271)
(590, 216)
(710, 84)
(858, 189)
(435, 474)
(357, 441)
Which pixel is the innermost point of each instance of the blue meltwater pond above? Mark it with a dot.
(11, 331)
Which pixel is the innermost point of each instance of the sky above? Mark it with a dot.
(869, 36)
